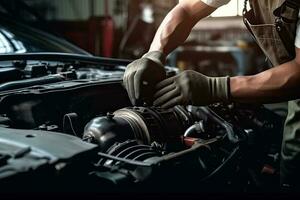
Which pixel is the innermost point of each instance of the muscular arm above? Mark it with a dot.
(280, 83)
(178, 24)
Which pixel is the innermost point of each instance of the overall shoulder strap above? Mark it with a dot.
(286, 18)
(293, 3)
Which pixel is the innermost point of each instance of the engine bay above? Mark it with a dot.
(68, 120)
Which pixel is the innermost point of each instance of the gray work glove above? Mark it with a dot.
(142, 75)
(191, 88)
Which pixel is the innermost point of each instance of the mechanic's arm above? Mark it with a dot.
(143, 74)
(277, 84)
(178, 24)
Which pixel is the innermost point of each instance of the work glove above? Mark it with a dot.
(142, 75)
(191, 88)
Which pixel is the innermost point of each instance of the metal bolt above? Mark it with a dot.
(110, 115)
(278, 28)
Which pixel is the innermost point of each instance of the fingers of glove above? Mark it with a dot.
(131, 68)
(165, 83)
(130, 84)
(164, 90)
(167, 97)
(173, 102)
(146, 79)
(139, 82)
(125, 82)
(186, 90)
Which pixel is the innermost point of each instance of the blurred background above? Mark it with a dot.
(218, 45)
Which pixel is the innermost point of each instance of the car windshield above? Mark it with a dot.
(9, 43)
(18, 37)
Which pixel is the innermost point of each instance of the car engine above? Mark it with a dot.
(66, 123)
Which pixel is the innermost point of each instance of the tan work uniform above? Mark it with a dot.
(261, 22)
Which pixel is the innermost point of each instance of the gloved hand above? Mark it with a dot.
(191, 88)
(142, 75)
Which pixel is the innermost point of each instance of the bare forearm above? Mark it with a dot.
(178, 24)
(275, 85)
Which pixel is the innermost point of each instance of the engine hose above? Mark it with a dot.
(229, 130)
(197, 127)
(220, 168)
(164, 158)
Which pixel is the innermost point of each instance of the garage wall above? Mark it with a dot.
(81, 10)
(75, 9)
(68, 9)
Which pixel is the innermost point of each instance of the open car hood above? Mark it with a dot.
(67, 118)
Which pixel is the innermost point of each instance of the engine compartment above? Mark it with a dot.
(157, 149)
(214, 148)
